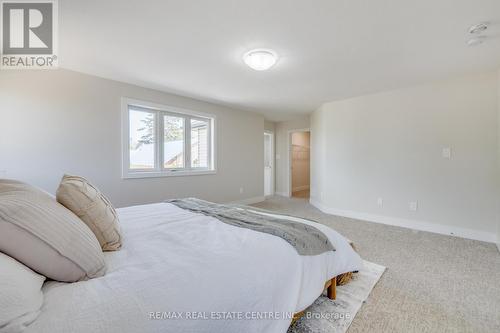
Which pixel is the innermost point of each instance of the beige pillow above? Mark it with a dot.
(93, 208)
(45, 236)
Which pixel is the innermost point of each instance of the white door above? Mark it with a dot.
(268, 164)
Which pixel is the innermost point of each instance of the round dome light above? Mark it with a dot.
(478, 28)
(260, 59)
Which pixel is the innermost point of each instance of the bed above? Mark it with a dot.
(179, 271)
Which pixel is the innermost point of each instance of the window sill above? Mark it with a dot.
(159, 174)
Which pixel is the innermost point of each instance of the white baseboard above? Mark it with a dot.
(249, 201)
(300, 188)
(498, 247)
(410, 224)
(282, 194)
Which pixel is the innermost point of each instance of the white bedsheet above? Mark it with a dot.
(175, 261)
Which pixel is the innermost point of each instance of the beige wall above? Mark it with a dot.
(269, 126)
(300, 161)
(282, 136)
(498, 159)
(389, 145)
(59, 121)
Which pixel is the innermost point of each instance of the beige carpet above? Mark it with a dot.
(433, 283)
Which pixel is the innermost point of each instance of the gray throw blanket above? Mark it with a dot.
(307, 240)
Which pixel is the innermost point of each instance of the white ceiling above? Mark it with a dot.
(329, 49)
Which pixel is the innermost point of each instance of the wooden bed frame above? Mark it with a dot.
(331, 292)
(330, 286)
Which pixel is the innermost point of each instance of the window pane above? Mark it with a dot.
(141, 139)
(173, 150)
(199, 143)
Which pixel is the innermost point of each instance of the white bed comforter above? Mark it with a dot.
(176, 264)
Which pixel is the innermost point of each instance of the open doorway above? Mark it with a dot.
(268, 163)
(300, 163)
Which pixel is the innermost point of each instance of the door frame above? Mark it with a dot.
(272, 135)
(289, 158)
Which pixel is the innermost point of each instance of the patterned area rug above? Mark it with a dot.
(328, 316)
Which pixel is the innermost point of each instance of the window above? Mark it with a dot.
(166, 141)
(199, 143)
(173, 142)
(142, 139)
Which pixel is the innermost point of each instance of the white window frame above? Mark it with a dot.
(159, 170)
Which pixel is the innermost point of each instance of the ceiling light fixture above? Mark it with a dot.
(260, 59)
(478, 28)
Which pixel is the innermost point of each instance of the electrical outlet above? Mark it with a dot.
(380, 202)
(241, 190)
(447, 153)
(413, 206)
